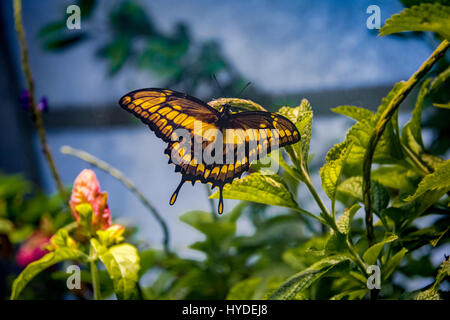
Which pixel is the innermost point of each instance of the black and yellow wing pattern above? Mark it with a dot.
(165, 111)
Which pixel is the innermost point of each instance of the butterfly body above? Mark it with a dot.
(205, 144)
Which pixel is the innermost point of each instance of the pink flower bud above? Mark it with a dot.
(86, 189)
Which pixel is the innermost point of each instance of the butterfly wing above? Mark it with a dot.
(264, 132)
(165, 110)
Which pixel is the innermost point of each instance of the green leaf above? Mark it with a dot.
(351, 187)
(429, 294)
(336, 243)
(356, 113)
(305, 278)
(117, 52)
(206, 224)
(332, 169)
(350, 295)
(6, 226)
(344, 220)
(243, 104)
(85, 213)
(396, 177)
(432, 187)
(267, 189)
(432, 293)
(111, 235)
(371, 254)
(380, 196)
(425, 17)
(302, 117)
(244, 290)
(62, 239)
(388, 149)
(122, 263)
(412, 132)
(60, 254)
(442, 105)
(306, 253)
(393, 264)
(431, 161)
(440, 79)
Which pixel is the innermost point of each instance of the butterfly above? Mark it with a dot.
(226, 141)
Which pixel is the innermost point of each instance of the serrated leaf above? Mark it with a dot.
(425, 17)
(429, 294)
(302, 117)
(336, 243)
(46, 261)
(388, 149)
(440, 79)
(305, 278)
(332, 169)
(122, 263)
(432, 187)
(351, 187)
(356, 113)
(431, 161)
(244, 290)
(344, 220)
(380, 197)
(371, 254)
(267, 189)
(393, 264)
(412, 132)
(432, 293)
(396, 177)
(243, 104)
(350, 295)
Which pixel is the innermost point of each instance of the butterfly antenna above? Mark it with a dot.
(217, 83)
(175, 194)
(243, 89)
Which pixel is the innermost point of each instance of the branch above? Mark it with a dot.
(36, 115)
(83, 155)
(381, 125)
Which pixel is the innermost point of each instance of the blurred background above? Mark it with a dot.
(288, 50)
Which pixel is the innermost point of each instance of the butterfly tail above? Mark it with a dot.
(175, 194)
(220, 208)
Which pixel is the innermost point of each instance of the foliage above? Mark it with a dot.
(136, 41)
(293, 253)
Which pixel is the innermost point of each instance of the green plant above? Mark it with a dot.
(296, 253)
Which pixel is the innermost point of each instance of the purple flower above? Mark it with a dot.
(25, 102)
(43, 105)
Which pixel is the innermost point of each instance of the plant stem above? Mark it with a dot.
(94, 275)
(327, 218)
(355, 254)
(380, 127)
(36, 114)
(83, 155)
